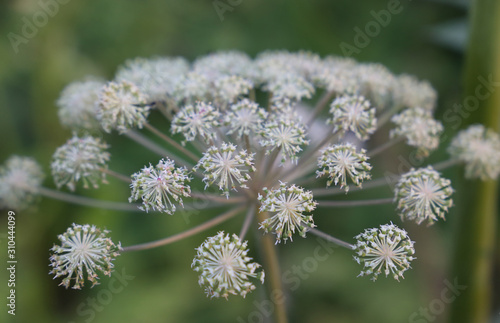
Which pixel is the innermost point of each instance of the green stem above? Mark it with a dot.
(386, 116)
(337, 190)
(146, 142)
(355, 202)
(323, 101)
(273, 272)
(152, 146)
(248, 221)
(176, 237)
(330, 238)
(116, 175)
(383, 147)
(86, 201)
(172, 142)
(218, 198)
(445, 164)
(477, 222)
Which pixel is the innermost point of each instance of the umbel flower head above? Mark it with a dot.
(339, 162)
(387, 249)
(80, 159)
(410, 92)
(122, 107)
(288, 205)
(155, 77)
(84, 250)
(77, 104)
(227, 167)
(20, 180)
(375, 82)
(222, 63)
(245, 118)
(290, 87)
(353, 112)
(157, 186)
(191, 87)
(422, 194)
(286, 132)
(479, 149)
(419, 128)
(224, 267)
(197, 120)
(230, 88)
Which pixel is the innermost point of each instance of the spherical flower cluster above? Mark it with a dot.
(411, 93)
(230, 88)
(84, 250)
(353, 113)
(80, 159)
(157, 186)
(286, 132)
(191, 87)
(273, 64)
(224, 63)
(77, 104)
(227, 167)
(245, 118)
(121, 107)
(387, 249)
(341, 161)
(155, 77)
(288, 205)
(422, 194)
(197, 120)
(479, 149)
(376, 82)
(20, 180)
(224, 267)
(419, 128)
(290, 88)
(337, 75)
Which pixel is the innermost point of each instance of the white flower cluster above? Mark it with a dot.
(412, 93)
(84, 250)
(479, 149)
(339, 162)
(155, 77)
(200, 119)
(80, 159)
(226, 167)
(419, 128)
(122, 107)
(422, 194)
(245, 118)
(77, 104)
(353, 113)
(224, 266)
(284, 131)
(387, 250)
(20, 179)
(157, 186)
(231, 87)
(287, 205)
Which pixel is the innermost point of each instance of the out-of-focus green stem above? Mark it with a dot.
(273, 273)
(476, 240)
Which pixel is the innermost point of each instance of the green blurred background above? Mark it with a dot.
(94, 38)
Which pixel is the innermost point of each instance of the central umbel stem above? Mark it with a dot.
(273, 273)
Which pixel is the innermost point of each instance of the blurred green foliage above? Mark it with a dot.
(93, 38)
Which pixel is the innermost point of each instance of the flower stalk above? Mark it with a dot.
(477, 236)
